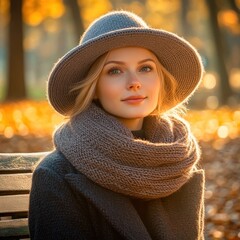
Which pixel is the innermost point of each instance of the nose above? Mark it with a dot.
(133, 82)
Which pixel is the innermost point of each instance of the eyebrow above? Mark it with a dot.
(122, 63)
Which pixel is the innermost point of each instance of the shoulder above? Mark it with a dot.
(49, 177)
(55, 162)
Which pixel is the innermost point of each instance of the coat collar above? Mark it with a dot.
(115, 207)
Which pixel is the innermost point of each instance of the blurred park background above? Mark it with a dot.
(35, 33)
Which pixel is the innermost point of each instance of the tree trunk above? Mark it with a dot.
(77, 18)
(16, 88)
(234, 7)
(185, 26)
(225, 89)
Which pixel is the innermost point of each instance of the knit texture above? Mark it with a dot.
(101, 148)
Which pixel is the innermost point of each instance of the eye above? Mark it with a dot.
(114, 71)
(146, 69)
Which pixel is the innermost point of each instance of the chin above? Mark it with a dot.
(135, 116)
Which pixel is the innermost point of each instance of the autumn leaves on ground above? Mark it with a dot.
(27, 126)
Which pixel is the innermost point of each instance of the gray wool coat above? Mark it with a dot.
(65, 204)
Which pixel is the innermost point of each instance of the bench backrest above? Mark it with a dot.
(15, 184)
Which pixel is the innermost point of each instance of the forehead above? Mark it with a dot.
(130, 53)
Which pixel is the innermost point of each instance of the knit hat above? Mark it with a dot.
(123, 29)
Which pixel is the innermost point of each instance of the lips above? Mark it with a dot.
(134, 99)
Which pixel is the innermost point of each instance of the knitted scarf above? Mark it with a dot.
(104, 150)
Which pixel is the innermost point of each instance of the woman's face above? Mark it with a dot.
(129, 84)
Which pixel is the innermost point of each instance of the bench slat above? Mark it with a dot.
(15, 182)
(14, 227)
(14, 203)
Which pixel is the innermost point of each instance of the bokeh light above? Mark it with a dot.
(212, 102)
(37, 11)
(209, 81)
(39, 119)
(235, 78)
(27, 117)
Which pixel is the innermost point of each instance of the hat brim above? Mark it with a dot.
(174, 53)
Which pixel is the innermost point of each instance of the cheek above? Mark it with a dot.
(106, 90)
(154, 86)
(155, 92)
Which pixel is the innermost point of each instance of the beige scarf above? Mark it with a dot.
(104, 150)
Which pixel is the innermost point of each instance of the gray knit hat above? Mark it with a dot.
(123, 29)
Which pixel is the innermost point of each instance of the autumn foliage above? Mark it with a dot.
(39, 119)
(27, 126)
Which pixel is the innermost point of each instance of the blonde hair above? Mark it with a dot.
(87, 88)
(167, 98)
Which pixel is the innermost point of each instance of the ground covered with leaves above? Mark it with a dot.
(222, 195)
(27, 127)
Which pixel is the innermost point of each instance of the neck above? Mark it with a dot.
(132, 124)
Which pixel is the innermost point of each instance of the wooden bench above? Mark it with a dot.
(15, 183)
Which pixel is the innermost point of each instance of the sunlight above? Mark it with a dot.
(8, 132)
(235, 78)
(228, 17)
(39, 119)
(212, 102)
(223, 131)
(209, 81)
(37, 11)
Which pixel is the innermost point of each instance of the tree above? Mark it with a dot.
(225, 89)
(186, 27)
(16, 88)
(234, 6)
(77, 17)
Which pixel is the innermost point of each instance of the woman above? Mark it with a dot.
(124, 165)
